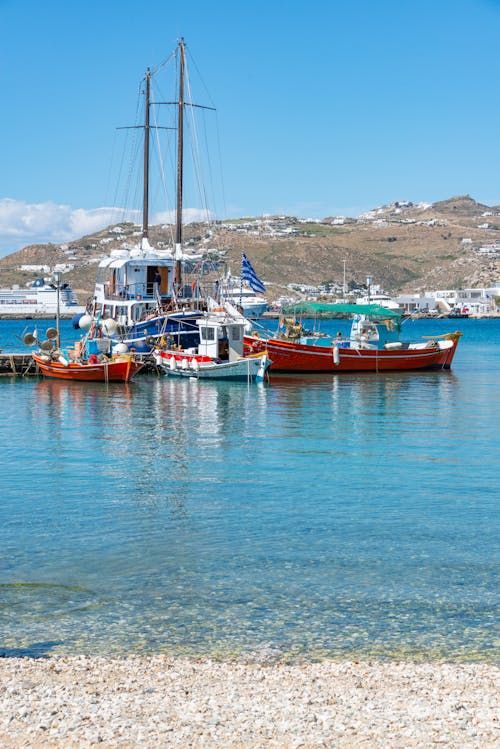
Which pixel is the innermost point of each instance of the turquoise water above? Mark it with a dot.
(320, 516)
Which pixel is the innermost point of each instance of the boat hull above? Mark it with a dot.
(179, 328)
(288, 356)
(119, 370)
(249, 368)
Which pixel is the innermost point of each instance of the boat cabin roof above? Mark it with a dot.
(370, 310)
(123, 258)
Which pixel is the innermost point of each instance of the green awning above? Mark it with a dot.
(316, 308)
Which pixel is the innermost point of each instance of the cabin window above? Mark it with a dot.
(235, 332)
(207, 334)
(103, 275)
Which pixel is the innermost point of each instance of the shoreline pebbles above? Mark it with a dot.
(159, 701)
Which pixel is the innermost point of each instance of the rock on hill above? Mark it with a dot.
(403, 246)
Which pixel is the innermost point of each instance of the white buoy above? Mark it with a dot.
(195, 364)
(109, 326)
(173, 363)
(336, 356)
(184, 364)
(85, 322)
(120, 348)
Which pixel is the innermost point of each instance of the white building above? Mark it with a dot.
(35, 268)
(417, 303)
(477, 301)
(474, 301)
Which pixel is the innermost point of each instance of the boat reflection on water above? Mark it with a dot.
(61, 396)
(357, 400)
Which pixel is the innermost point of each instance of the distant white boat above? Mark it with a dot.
(253, 305)
(245, 293)
(38, 299)
(383, 300)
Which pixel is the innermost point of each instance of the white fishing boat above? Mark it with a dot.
(39, 299)
(219, 355)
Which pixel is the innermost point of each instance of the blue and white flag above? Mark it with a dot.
(250, 276)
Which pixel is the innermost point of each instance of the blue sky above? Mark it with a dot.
(323, 108)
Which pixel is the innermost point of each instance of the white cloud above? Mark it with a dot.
(23, 223)
(189, 215)
(87, 222)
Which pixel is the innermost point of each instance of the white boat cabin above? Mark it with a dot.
(134, 285)
(221, 336)
(367, 333)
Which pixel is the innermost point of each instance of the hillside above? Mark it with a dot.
(403, 246)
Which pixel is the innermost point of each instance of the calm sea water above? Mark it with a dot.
(318, 516)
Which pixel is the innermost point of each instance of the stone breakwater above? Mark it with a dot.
(157, 701)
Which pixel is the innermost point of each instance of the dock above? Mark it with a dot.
(17, 364)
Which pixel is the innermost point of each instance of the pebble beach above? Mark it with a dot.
(158, 701)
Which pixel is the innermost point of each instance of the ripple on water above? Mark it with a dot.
(319, 517)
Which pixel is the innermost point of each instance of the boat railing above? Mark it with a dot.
(149, 291)
(127, 292)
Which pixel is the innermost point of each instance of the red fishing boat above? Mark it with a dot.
(374, 344)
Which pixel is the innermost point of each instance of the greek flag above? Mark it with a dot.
(250, 276)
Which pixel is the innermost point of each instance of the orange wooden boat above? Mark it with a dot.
(120, 369)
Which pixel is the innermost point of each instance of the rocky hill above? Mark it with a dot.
(403, 246)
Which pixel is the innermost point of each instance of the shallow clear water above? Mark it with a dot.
(319, 516)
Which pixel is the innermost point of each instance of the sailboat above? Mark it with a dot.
(142, 289)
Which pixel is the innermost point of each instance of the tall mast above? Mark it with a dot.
(180, 164)
(145, 202)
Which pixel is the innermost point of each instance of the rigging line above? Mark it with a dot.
(162, 157)
(107, 191)
(210, 172)
(132, 187)
(119, 185)
(161, 167)
(196, 151)
(201, 77)
(159, 67)
(219, 151)
(131, 147)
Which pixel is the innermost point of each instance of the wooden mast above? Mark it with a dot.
(145, 202)
(180, 165)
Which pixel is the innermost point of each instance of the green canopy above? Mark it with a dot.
(316, 308)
